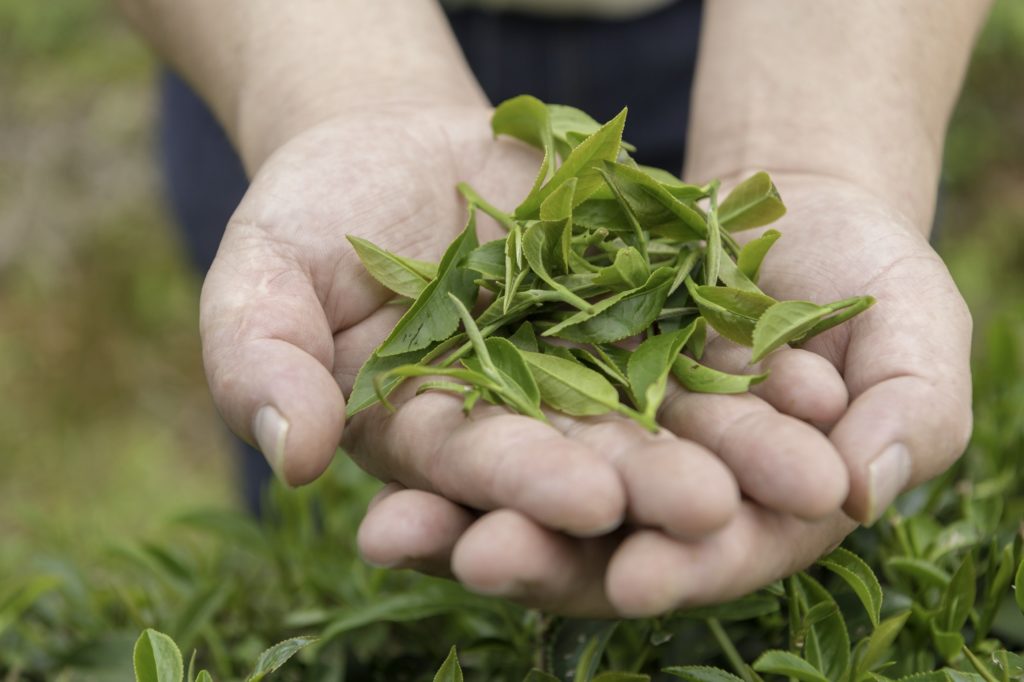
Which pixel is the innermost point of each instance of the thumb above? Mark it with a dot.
(268, 351)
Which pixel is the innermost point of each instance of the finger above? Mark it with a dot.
(908, 366)
(651, 573)
(778, 460)
(670, 483)
(491, 459)
(268, 350)
(507, 554)
(411, 529)
(800, 383)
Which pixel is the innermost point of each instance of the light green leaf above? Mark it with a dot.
(618, 316)
(542, 249)
(276, 656)
(713, 245)
(487, 259)
(786, 663)
(649, 366)
(204, 676)
(450, 670)
(526, 118)
(581, 163)
(792, 321)
(365, 389)
(569, 387)
(628, 271)
(653, 206)
(859, 576)
(558, 207)
(431, 317)
(525, 338)
(701, 673)
(753, 252)
(517, 378)
(752, 203)
(156, 658)
(404, 276)
(948, 644)
(733, 313)
(598, 360)
(702, 379)
(925, 572)
(881, 638)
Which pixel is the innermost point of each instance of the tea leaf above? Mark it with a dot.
(404, 276)
(366, 389)
(558, 207)
(610, 369)
(733, 313)
(879, 641)
(1018, 587)
(618, 316)
(785, 663)
(752, 203)
(859, 576)
(827, 642)
(649, 366)
(753, 252)
(581, 163)
(431, 318)
(948, 644)
(958, 599)
(526, 118)
(569, 387)
(654, 207)
(927, 573)
(702, 379)
(542, 248)
(204, 676)
(713, 247)
(156, 658)
(488, 259)
(616, 676)
(450, 670)
(844, 311)
(277, 655)
(701, 673)
(525, 338)
(628, 271)
(793, 321)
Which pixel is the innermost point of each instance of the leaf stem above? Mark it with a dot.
(728, 648)
(978, 665)
(471, 196)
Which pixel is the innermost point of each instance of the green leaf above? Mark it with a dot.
(752, 203)
(542, 249)
(958, 599)
(785, 663)
(649, 366)
(713, 246)
(603, 363)
(590, 657)
(581, 163)
(450, 670)
(558, 207)
(526, 118)
(576, 646)
(745, 608)
(653, 205)
(1018, 587)
(516, 376)
(701, 673)
(948, 644)
(488, 259)
(431, 317)
(618, 316)
(628, 271)
(156, 658)
(792, 321)
(204, 676)
(859, 576)
(925, 572)
(571, 388)
(404, 276)
(701, 379)
(844, 310)
(524, 338)
(733, 313)
(616, 676)
(879, 641)
(364, 390)
(753, 252)
(276, 656)
(827, 642)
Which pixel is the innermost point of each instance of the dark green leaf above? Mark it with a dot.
(958, 599)
(948, 644)
(575, 647)
(745, 608)
(431, 317)
(753, 252)
(786, 663)
(524, 338)
(859, 576)
(536, 675)
(752, 203)
(156, 658)
(733, 313)
(1018, 587)
(581, 164)
(618, 316)
(827, 642)
(276, 656)
(450, 670)
(701, 673)
(701, 379)
(404, 276)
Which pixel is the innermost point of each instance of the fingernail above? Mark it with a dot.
(888, 475)
(271, 431)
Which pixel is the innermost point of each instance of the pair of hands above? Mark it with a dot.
(590, 516)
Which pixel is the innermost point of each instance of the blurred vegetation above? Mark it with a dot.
(106, 428)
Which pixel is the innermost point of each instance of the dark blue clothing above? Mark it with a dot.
(599, 66)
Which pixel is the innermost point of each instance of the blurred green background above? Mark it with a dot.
(106, 427)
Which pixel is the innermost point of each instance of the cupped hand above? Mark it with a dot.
(904, 367)
(289, 315)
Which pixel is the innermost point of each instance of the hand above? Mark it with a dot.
(904, 363)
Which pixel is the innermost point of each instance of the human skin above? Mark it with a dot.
(359, 118)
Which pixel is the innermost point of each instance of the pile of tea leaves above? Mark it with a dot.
(609, 276)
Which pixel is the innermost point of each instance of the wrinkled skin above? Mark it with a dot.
(582, 516)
